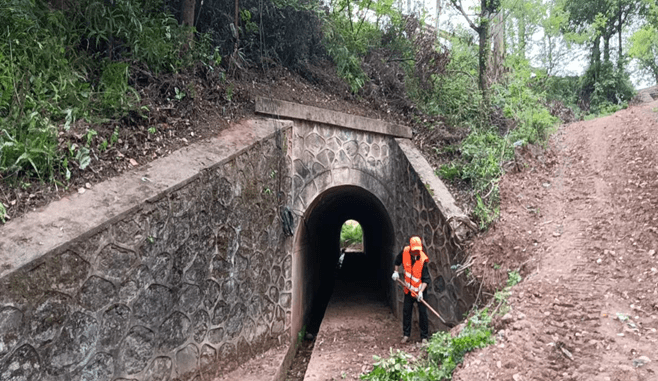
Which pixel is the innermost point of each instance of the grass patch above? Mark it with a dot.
(59, 66)
(444, 352)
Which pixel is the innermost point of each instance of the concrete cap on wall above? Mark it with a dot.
(285, 109)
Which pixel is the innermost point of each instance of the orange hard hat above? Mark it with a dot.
(415, 244)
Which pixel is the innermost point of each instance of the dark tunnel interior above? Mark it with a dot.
(321, 236)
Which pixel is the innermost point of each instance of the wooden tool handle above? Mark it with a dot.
(425, 303)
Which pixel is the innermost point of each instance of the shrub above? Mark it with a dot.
(116, 95)
(444, 353)
(563, 89)
(521, 102)
(350, 234)
(137, 30)
(605, 88)
(40, 82)
(286, 32)
(394, 368)
(56, 67)
(448, 352)
(455, 94)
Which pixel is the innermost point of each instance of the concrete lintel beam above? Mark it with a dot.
(285, 109)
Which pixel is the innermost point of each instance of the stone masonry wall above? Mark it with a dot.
(418, 214)
(325, 156)
(179, 288)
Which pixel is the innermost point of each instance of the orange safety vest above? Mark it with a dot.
(412, 274)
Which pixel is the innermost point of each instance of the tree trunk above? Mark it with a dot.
(438, 16)
(187, 12)
(606, 48)
(483, 56)
(550, 55)
(522, 36)
(187, 19)
(596, 50)
(620, 61)
(235, 62)
(498, 37)
(484, 50)
(236, 23)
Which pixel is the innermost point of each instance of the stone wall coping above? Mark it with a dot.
(81, 215)
(285, 109)
(457, 219)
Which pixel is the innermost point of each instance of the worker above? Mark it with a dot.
(416, 279)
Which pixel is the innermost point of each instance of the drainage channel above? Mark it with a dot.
(299, 365)
(338, 330)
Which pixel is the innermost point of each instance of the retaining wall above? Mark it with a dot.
(175, 271)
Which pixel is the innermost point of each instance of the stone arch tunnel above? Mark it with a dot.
(220, 251)
(318, 239)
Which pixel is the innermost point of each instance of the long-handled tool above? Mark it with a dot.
(425, 303)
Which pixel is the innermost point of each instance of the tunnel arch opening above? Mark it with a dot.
(317, 252)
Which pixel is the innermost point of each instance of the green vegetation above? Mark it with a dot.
(3, 213)
(487, 146)
(644, 42)
(301, 334)
(57, 66)
(91, 60)
(350, 234)
(444, 352)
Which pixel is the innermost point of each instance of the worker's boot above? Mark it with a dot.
(404, 339)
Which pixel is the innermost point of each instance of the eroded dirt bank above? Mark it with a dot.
(581, 221)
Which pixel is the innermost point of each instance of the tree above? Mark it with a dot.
(488, 9)
(524, 19)
(600, 19)
(187, 12)
(644, 48)
(644, 42)
(555, 48)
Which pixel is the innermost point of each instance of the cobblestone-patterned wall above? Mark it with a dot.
(418, 214)
(325, 157)
(178, 289)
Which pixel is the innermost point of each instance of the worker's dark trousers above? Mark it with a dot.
(422, 317)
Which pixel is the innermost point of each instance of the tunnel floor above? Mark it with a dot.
(357, 323)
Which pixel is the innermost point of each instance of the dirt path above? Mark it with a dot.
(585, 224)
(355, 328)
(357, 325)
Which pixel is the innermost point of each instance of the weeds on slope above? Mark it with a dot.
(444, 352)
(516, 116)
(58, 66)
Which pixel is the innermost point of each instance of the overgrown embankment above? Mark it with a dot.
(89, 89)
